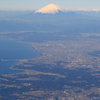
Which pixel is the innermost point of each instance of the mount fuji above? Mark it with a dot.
(50, 13)
(51, 8)
(51, 17)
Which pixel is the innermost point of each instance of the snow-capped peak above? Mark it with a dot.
(51, 8)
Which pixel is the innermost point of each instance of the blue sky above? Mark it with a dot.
(37, 4)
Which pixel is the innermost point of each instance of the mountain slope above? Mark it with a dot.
(51, 14)
(51, 8)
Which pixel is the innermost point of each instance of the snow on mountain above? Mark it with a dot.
(51, 8)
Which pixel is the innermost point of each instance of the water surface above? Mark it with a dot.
(12, 51)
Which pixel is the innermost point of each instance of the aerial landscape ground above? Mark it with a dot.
(68, 64)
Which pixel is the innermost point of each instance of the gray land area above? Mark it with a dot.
(67, 69)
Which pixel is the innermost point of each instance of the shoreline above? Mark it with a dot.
(12, 60)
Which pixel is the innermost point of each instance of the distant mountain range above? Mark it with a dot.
(51, 14)
(49, 10)
(52, 18)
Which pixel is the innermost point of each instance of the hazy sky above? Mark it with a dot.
(37, 4)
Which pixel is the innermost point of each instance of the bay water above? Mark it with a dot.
(12, 51)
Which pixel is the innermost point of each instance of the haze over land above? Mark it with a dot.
(69, 65)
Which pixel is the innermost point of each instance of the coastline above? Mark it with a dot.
(6, 61)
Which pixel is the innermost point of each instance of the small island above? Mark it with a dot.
(4, 59)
